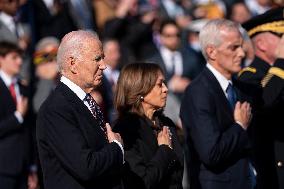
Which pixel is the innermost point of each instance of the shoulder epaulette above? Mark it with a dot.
(273, 71)
(277, 72)
(247, 69)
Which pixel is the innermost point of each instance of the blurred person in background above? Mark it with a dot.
(170, 9)
(173, 58)
(153, 155)
(17, 169)
(46, 69)
(240, 13)
(277, 3)
(192, 43)
(176, 63)
(104, 11)
(209, 9)
(112, 59)
(110, 76)
(257, 7)
(11, 29)
(132, 26)
(174, 10)
(82, 14)
(15, 31)
(52, 18)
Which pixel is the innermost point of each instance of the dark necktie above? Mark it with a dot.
(111, 78)
(232, 97)
(173, 62)
(16, 32)
(96, 111)
(13, 92)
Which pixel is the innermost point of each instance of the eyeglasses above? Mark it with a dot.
(167, 35)
(42, 56)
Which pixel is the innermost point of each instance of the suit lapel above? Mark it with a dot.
(218, 93)
(7, 93)
(3, 86)
(80, 106)
(10, 36)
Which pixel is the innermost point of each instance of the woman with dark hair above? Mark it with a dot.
(153, 155)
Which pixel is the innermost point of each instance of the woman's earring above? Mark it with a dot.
(141, 98)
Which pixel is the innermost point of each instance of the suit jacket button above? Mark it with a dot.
(279, 164)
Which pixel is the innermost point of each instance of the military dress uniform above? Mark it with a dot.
(260, 128)
(267, 89)
(273, 96)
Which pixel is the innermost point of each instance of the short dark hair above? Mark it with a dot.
(166, 22)
(8, 47)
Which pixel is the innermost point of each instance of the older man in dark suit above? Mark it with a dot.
(77, 150)
(215, 116)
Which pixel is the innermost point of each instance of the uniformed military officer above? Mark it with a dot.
(265, 75)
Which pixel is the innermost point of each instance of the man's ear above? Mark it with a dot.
(73, 65)
(211, 52)
(261, 44)
(2, 58)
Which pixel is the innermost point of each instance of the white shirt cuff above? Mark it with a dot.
(240, 124)
(19, 117)
(121, 147)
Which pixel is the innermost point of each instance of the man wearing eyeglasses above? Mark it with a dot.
(177, 63)
(266, 33)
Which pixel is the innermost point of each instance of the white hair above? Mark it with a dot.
(46, 41)
(210, 34)
(72, 45)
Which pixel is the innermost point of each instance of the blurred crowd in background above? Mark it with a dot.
(160, 31)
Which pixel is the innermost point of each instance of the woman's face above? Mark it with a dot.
(157, 97)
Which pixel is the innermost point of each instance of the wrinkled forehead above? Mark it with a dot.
(82, 45)
(231, 33)
(230, 38)
(93, 46)
(230, 29)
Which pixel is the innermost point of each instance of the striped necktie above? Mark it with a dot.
(96, 111)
